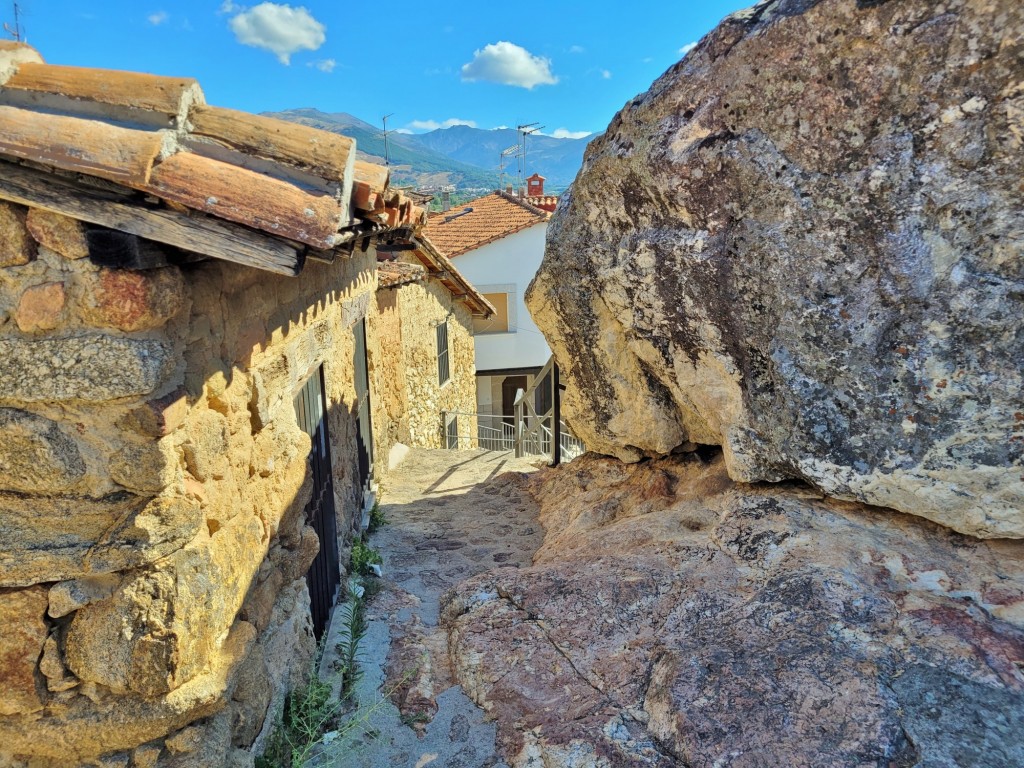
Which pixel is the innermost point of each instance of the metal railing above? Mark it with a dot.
(545, 433)
(463, 429)
(527, 432)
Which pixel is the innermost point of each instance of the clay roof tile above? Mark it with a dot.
(156, 135)
(493, 217)
(165, 95)
(391, 274)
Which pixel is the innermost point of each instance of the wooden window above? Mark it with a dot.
(443, 369)
(498, 322)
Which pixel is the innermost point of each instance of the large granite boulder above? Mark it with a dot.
(673, 617)
(803, 244)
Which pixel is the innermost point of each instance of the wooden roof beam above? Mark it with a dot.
(191, 232)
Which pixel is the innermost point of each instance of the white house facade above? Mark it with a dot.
(497, 242)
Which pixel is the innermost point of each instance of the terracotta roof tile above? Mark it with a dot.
(328, 155)
(157, 135)
(391, 274)
(166, 95)
(440, 267)
(544, 202)
(85, 146)
(261, 202)
(493, 217)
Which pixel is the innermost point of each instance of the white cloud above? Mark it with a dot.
(158, 18)
(433, 125)
(606, 75)
(403, 130)
(565, 133)
(280, 29)
(324, 65)
(229, 7)
(687, 48)
(577, 49)
(508, 64)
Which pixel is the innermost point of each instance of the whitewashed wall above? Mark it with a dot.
(511, 261)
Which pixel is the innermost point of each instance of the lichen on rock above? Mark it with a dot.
(674, 617)
(803, 244)
(92, 368)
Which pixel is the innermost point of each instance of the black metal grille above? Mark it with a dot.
(364, 429)
(324, 575)
(443, 371)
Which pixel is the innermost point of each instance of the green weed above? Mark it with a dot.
(309, 712)
(353, 618)
(377, 518)
(363, 556)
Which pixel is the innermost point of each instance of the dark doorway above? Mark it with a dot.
(364, 429)
(324, 575)
(509, 386)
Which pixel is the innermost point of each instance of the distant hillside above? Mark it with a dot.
(411, 162)
(557, 160)
(463, 156)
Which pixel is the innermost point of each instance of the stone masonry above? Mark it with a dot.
(152, 483)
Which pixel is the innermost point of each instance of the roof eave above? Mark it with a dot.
(442, 268)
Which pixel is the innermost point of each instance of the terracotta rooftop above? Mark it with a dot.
(440, 268)
(493, 217)
(544, 202)
(391, 274)
(146, 155)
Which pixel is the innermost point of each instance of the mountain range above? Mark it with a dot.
(462, 156)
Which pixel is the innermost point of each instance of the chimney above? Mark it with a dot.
(446, 201)
(508, 189)
(535, 185)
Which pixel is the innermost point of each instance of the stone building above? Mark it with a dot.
(188, 315)
(424, 323)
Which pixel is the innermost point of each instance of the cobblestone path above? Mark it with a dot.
(451, 514)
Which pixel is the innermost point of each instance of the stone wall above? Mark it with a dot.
(389, 401)
(422, 306)
(152, 482)
(403, 360)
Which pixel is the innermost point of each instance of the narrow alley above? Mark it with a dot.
(450, 515)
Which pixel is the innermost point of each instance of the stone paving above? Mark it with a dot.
(451, 514)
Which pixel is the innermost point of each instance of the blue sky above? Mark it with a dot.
(567, 65)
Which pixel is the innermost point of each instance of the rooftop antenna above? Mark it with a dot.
(387, 156)
(524, 131)
(514, 150)
(14, 32)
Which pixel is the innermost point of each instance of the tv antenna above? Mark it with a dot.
(524, 131)
(514, 150)
(387, 156)
(15, 31)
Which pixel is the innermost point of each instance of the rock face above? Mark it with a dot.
(803, 244)
(673, 617)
